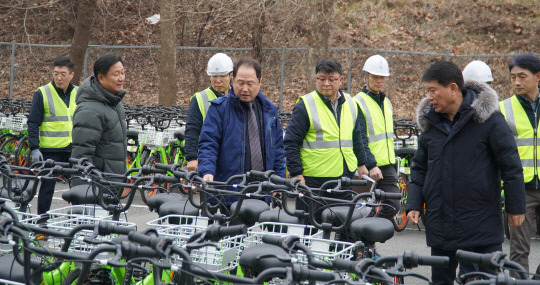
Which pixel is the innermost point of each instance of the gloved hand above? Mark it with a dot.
(36, 156)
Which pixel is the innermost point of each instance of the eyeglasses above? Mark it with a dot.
(61, 75)
(330, 80)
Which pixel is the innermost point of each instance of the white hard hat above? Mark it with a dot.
(477, 70)
(376, 65)
(219, 64)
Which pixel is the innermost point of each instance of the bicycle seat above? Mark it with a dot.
(80, 194)
(278, 216)
(180, 135)
(157, 200)
(4, 192)
(257, 258)
(372, 229)
(13, 271)
(250, 211)
(132, 134)
(336, 215)
(177, 208)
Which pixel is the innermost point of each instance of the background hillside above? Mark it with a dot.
(461, 26)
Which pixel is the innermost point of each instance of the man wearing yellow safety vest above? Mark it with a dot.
(323, 140)
(219, 69)
(522, 113)
(50, 124)
(379, 127)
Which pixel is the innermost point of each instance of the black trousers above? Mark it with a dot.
(445, 276)
(46, 191)
(388, 184)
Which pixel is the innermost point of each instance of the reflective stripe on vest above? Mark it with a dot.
(57, 124)
(203, 100)
(326, 144)
(380, 128)
(524, 134)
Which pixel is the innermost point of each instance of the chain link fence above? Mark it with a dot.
(24, 67)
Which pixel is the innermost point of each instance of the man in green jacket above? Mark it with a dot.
(99, 123)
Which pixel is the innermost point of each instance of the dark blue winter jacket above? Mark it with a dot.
(458, 168)
(222, 143)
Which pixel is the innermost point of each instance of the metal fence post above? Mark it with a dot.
(85, 65)
(447, 54)
(281, 91)
(349, 80)
(12, 70)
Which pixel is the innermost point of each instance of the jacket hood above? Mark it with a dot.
(91, 90)
(485, 103)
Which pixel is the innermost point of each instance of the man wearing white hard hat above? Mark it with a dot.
(479, 71)
(219, 69)
(377, 111)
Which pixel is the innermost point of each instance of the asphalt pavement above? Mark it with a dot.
(412, 238)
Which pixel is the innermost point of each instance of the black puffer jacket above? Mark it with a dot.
(99, 127)
(458, 174)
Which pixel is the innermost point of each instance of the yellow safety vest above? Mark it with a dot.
(380, 128)
(57, 124)
(203, 99)
(326, 144)
(524, 134)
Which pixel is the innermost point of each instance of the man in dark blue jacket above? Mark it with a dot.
(464, 150)
(241, 131)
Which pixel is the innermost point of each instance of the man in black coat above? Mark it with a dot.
(464, 150)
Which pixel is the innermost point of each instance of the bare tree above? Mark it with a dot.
(258, 29)
(83, 26)
(318, 36)
(167, 70)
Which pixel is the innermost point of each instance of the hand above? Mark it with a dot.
(36, 156)
(362, 170)
(301, 177)
(375, 173)
(515, 220)
(192, 165)
(414, 216)
(208, 177)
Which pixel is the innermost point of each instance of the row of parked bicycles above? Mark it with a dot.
(201, 240)
(198, 238)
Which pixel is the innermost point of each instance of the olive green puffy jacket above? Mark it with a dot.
(99, 127)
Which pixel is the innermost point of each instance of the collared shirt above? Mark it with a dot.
(334, 104)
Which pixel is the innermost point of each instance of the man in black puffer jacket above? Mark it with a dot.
(99, 123)
(464, 150)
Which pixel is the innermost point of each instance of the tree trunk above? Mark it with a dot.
(318, 37)
(81, 37)
(167, 70)
(258, 30)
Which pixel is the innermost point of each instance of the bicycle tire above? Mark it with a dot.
(8, 148)
(5, 136)
(125, 193)
(22, 153)
(151, 161)
(400, 220)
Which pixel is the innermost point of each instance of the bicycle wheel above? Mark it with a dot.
(151, 161)
(405, 156)
(22, 153)
(400, 220)
(8, 148)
